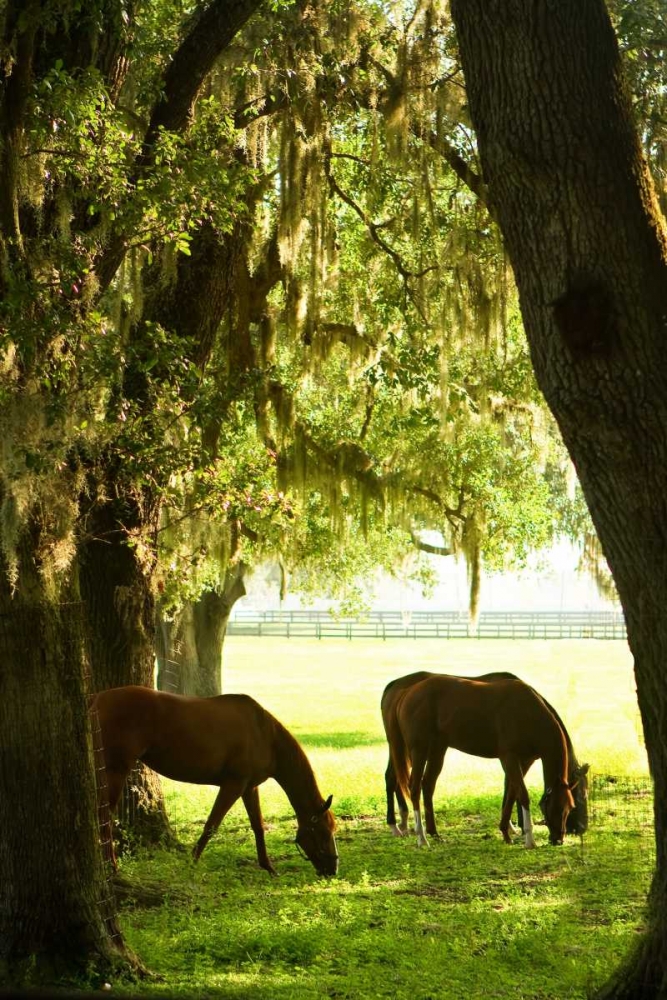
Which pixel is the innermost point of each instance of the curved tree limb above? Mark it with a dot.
(434, 550)
(210, 34)
(212, 31)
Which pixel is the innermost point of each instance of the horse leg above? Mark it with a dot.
(403, 809)
(115, 780)
(525, 768)
(416, 775)
(433, 769)
(230, 790)
(393, 789)
(254, 811)
(517, 792)
(506, 797)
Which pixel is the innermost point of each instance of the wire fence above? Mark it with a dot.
(430, 625)
(621, 821)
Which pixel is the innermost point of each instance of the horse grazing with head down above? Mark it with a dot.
(229, 741)
(577, 820)
(500, 717)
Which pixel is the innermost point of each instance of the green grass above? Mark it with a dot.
(466, 918)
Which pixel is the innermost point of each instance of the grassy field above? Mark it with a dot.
(466, 918)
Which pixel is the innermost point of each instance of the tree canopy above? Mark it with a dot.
(254, 299)
(211, 268)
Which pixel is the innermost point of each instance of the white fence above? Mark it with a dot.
(431, 625)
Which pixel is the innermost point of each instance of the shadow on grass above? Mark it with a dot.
(340, 741)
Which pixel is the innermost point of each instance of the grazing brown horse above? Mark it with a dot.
(577, 820)
(229, 741)
(502, 718)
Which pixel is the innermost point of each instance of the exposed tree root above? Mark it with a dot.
(147, 893)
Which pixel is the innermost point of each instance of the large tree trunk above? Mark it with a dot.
(190, 657)
(211, 615)
(57, 918)
(177, 671)
(116, 585)
(574, 200)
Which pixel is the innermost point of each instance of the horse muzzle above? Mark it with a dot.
(327, 868)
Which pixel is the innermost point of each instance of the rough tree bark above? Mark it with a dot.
(116, 586)
(57, 913)
(573, 197)
(190, 648)
(54, 917)
(211, 615)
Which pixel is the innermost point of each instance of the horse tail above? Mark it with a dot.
(398, 755)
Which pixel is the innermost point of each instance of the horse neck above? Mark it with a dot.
(573, 763)
(295, 775)
(554, 753)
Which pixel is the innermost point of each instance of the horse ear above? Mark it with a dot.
(327, 804)
(582, 771)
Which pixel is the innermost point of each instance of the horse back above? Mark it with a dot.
(127, 720)
(483, 717)
(198, 740)
(396, 688)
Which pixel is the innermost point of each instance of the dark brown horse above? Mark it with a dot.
(577, 820)
(229, 741)
(502, 718)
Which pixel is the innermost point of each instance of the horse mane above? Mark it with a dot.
(571, 756)
(294, 772)
(568, 742)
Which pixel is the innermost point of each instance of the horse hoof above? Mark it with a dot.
(396, 831)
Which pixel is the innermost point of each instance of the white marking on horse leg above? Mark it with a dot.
(419, 830)
(395, 830)
(514, 829)
(528, 827)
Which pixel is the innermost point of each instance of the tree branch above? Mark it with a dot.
(472, 180)
(21, 24)
(374, 231)
(209, 36)
(434, 550)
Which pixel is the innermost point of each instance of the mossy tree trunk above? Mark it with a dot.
(211, 616)
(191, 646)
(57, 913)
(116, 584)
(574, 200)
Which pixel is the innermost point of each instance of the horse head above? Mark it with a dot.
(556, 804)
(577, 821)
(315, 839)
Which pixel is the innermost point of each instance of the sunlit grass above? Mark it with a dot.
(466, 918)
(328, 694)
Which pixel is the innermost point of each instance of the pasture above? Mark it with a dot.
(467, 917)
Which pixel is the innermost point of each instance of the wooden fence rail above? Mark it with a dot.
(431, 625)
